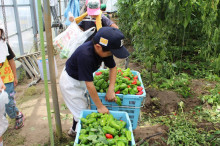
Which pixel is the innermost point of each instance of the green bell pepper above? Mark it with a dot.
(110, 130)
(122, 124)
(83, 131)
(103, 121)
(91, 120)
(125, 91)
(120, 143)
(111, 142)
(83, 138)
(93, 115)
(118, 100)
(123, 86)
(128, 135)
(116, 88)
(100, 82)
(138, 83)
(101, 91)
(92, 133)
(113, 124)
(97, 88)
(85, 121)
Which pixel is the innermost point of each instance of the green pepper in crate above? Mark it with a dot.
(120, 143)
(125, 80)
(125, 91)
(123, 86)
(99, 115)
(109, 130)
(115, 125)
(104, 85)
(103, 121)
(119, 82)
(116, 88)
(93, 115)
(85, 121)
(111, 141)
(97, 88)
(128, 135)
(122, 123)
(91, 120)
(100, 82)
(118, 100)
(83, 131)
(83, 138)
(138, 83)
(92, 133)
(101, 91)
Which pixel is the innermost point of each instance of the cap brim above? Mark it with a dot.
(93, 11)
(120, 53)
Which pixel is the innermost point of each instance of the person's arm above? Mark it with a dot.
(107, 22)
(94, 95)
(12, 64)
(115, 26)
(71, 19)
(13, 68)
(110, 96)
(2, 85)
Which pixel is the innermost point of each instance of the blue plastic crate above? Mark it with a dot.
(129, 95)
(118, 115)
(130, 103)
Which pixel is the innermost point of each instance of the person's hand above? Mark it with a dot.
(15, 82)
(103, 110)
(71, 18)
(2, 87)
(110, 95)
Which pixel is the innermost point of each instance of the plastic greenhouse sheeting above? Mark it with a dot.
(111, 6)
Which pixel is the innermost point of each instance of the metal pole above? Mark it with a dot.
(17, 20)
(34, 24)
(47, 20)
(60, 10)
(45, 72)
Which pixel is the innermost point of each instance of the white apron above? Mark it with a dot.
(73, 92)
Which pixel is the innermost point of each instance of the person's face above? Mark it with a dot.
(100, 52)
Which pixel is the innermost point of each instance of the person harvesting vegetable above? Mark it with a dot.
(78, 73)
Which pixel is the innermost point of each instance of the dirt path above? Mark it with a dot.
(31, 101)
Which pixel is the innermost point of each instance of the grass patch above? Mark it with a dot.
(12, 136)
(30, 93)
(64, 141)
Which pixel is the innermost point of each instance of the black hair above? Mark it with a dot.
(104, 48)
(2, 35)
(103, 9)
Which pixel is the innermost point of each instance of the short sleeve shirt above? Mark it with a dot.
(11, 53)
(84, 62)
(89, 23)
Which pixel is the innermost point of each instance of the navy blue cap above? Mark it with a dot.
(112, 39)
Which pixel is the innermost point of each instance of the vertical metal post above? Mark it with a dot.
(34, 23)
(60, 10)
(45, 72)
(47, 20)
(65, 3)
(18, 26)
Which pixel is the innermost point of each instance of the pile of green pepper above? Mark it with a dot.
(103, 130)
(126, 82)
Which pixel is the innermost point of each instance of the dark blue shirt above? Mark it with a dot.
(84, 61)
